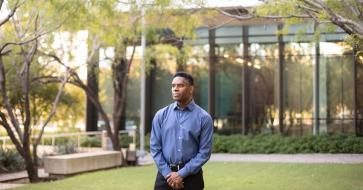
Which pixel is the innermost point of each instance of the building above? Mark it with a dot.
(246, 72)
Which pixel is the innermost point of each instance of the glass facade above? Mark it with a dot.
(263, 78)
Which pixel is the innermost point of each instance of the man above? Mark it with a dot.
(181, 139)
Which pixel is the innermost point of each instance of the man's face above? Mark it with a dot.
(181, 90)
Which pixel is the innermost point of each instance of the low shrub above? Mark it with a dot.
(267, 143)
(68, 147)
(125, 140)
(91, 142)
(10, 161)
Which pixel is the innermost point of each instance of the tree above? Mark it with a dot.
(18, 49)
(123, 31)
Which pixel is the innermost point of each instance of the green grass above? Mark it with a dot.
(225, 176)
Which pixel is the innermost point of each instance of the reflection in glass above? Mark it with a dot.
(298, 87)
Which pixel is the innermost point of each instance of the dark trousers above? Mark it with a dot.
(192, 182)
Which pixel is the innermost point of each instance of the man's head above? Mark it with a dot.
(182, 87)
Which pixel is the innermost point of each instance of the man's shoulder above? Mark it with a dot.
(164, 110)
(202, 112)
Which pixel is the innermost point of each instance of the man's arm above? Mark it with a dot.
(205, 149)
(156, 145)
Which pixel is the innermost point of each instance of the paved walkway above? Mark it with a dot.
(5, 179)
(281, 158)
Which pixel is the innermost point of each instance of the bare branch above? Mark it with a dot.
(350, 26)
(5, 100)
(28, 57)
(54, 107)
(76, 80)
(308, 9)
(26, 41)
(12, 12)
(96, 44)
(131, 58)
(10, 132)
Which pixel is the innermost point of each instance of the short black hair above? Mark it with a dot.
(185, 75)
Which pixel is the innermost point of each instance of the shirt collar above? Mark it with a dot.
(189, 107)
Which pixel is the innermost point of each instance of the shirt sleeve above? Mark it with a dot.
(205, 149)
(156, 144)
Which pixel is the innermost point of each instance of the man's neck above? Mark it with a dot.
(184, 104)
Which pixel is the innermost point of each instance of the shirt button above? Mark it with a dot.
(178, 150)
(180, 137)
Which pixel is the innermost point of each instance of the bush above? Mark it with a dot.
(267, 143)
(90, 142)
(58, 140)
(68, 147)
(125, 140)
(10, 161)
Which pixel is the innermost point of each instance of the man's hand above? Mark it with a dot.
(175, 180)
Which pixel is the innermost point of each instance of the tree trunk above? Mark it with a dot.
(31, 167)
(120, 70)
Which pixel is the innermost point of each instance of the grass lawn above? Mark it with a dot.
(225, 176)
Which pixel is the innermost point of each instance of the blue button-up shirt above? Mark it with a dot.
(181, 136)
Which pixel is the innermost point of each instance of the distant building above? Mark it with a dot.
(252, 80)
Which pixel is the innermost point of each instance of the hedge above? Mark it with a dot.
(267, 143)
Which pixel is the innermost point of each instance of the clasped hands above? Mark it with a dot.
(175, 180)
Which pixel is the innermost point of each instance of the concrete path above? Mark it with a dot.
(278, 158)
(5, 179)
(282, 158)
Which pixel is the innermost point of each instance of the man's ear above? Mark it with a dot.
(191, 89)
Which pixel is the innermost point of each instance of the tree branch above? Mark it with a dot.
(131, 58)
(12, 12)
(95, 47)
(10, 133)
(26, 41)
(54, 107)
(6, 102)
(28, 57)
(340, 21)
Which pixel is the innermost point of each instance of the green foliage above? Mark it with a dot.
(10, 161)
(267, 144)
(125, 140)
(63, 145)
(90, 142)
(67, 147)
(292, 11)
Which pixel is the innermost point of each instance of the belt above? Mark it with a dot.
(176, 167)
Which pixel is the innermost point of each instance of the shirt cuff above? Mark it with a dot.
(183, 173)
(165, 172)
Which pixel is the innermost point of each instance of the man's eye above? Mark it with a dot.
(178, 85)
